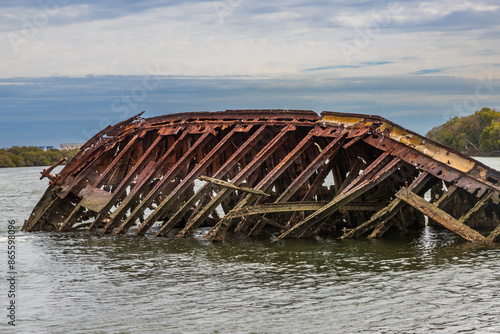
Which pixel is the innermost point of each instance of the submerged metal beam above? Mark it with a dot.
(388, 212)
(440, 216)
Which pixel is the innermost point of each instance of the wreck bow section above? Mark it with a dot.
(268, 172)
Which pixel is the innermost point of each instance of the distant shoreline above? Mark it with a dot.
(31, 156)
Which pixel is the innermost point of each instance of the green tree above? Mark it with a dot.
(491, 137)
(5, 159)
(28, 158)
(20, 156)
(486, 116)
(465, 134)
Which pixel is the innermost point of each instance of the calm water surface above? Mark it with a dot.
(431, 282)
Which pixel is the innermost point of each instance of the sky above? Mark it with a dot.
(71, 67)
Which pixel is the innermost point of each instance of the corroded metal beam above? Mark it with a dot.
(243, 174)
(265, 170)
(362, 184)
(160, 185)
(388, 212)
(440, 216)
(189, 179)
(233, 160)
(299, 206)
(226, 184)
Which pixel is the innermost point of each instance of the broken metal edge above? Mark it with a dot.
(437, 151)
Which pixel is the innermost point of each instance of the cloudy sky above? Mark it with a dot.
(71, 67)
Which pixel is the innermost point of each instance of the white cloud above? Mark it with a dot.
(253, 39)
(412, 12)
(430, 11)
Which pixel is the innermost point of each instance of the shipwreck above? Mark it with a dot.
(274, 173)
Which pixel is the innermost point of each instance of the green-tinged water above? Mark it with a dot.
(431, 282)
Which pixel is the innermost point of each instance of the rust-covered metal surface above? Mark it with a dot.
(285, 174)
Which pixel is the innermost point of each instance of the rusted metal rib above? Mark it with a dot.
(218, 233)
(160, 185)
(265, 170)
(234, 159)
(140, 168)
(362, 184)
(189, 179)
(388, 212)
(327, 153)
(242, 175)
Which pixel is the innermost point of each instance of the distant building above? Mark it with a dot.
(70, 146)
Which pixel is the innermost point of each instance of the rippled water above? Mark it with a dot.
(431, 282)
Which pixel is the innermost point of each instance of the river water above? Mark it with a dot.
(431, 282)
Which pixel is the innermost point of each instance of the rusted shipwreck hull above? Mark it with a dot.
(288, 174)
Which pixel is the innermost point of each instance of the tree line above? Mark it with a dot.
(477, 134)
(24, 156)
